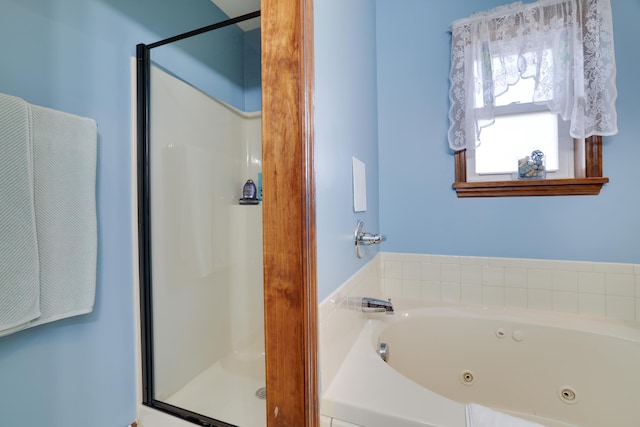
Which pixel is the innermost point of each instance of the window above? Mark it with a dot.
(521, 127)
(522, 80)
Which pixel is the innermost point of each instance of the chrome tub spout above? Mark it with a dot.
(374, 305)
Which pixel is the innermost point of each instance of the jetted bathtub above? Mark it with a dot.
(554, 369)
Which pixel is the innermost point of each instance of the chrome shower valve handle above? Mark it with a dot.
(362, 238)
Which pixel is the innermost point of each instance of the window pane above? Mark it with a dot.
(503, 68)
(521, 92)
(514, 136)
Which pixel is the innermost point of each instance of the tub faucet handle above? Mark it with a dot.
(370, 239)
(362, 238)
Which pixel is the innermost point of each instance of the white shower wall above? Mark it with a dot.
(206, 248)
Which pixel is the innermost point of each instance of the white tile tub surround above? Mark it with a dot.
(586, 288)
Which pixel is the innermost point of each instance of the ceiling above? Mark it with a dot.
(235, 8)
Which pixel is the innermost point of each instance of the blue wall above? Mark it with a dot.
(224, 63)
(252, 71)
(344, 120)
(418, 209)
(75, 56)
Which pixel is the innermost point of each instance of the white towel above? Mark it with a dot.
(481, 416)
(64, 158)
(19, 271)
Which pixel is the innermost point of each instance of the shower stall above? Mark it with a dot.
(201, 284)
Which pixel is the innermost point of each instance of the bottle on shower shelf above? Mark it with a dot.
(249, 193)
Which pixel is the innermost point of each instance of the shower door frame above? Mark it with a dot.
(143, 78)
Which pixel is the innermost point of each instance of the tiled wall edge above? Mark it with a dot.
(367, 279)
(578, 287)
(340, 322)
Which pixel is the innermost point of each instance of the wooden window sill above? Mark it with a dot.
(590, 185)
(542, 187)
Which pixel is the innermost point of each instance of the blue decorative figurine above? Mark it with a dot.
(532, 167)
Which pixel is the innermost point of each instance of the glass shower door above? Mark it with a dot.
(203, 287)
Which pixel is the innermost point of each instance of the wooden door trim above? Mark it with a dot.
(290, 296)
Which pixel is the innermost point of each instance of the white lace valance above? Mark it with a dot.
(566, 46)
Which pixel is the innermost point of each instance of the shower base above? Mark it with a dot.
(226, 391)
